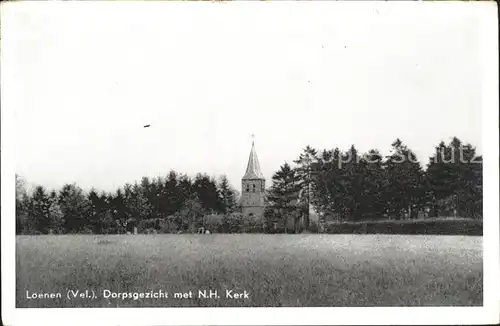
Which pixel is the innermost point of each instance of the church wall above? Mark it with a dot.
(252, 200)
(253, 186)
(253, 193)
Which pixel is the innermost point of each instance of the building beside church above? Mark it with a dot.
(253, 188)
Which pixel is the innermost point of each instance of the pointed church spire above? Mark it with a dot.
(253, 167)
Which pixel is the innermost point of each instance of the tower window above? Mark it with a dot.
(248, 188)
(253, 187)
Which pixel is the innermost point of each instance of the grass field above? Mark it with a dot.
(275, 270)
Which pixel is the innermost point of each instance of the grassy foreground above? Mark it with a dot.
(275, 270)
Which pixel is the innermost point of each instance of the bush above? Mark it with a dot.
(233, 223)
(86, 230)
(168, 225)
(251, 225)
(147, 224)
(430, 227)
(313, 227)
(214, 223)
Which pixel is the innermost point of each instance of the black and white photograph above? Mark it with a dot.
(249, 155)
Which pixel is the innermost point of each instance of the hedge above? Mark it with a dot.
(430, 227)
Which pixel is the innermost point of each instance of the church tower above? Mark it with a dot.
(253, 188)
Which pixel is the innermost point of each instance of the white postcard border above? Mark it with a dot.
(486, 13)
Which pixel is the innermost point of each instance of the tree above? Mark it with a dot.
(108, 222)
(305, 162)
(22, 202)
(75, 207)
(39, 213)
(184, 190)
(228, 195)
(372, 205)
(284, 194)
(190, 216)
(21, 191)
(207, 192)
(454, 178)
(153, 197)
(170, 202)
(405, 191)
(56, 216)
(339, 184)
(137, 206)
(118, 210)
(98, 211)
(327, 195)
(352, 183)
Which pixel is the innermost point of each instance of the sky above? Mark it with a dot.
(206, 77)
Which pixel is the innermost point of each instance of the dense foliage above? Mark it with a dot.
(439, 226)
(341, 186)
(350, 186)
(175, 203)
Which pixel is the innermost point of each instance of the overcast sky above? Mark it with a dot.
(206, 77)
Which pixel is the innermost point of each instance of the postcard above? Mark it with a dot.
(248, 163)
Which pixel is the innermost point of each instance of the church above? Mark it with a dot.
(253, 189)
(253, 199)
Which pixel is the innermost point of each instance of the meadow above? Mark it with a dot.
(275, 270)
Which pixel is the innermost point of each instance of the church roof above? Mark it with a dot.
(253, 167)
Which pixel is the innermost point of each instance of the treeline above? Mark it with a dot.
(338, 185)
(353, 186)
(155, 204)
